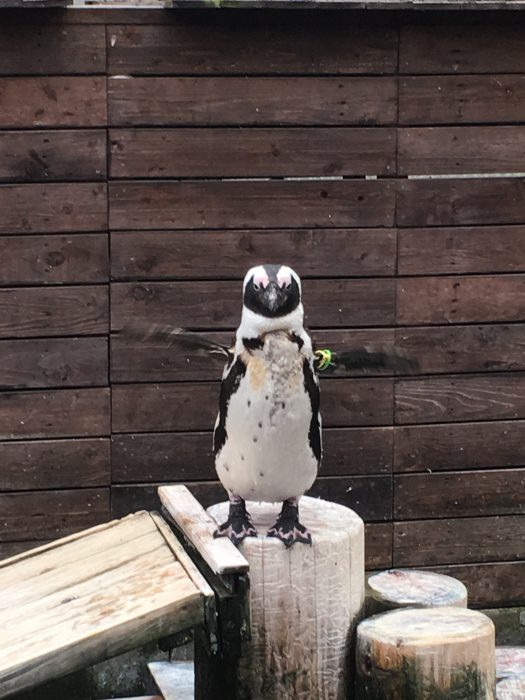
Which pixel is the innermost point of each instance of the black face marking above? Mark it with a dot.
(297, 340)
(229, 386)
(272, 301)
(253, 343)
(312, 389)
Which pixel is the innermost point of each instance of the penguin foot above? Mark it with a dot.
(238, 526)
(287, 528)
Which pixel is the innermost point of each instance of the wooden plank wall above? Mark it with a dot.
(147, 160)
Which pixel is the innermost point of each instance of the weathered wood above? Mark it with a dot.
(378, 545)
(54, 413)
(251, 204)
(466, 99)
(189, 254)
(52, 101)
(369, 496)
(55, 464)
(512, 688)
(29, 364)
(53, 208)
(461, 250)
(431, 652)
(53, 311)
(459, 541)
(510, 661)
(175, 679)
(45, 50)
(491, 585)
(52, 155)
(237, 101)
(483, 445)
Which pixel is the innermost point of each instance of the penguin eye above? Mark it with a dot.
(288, 286)
(256, 286)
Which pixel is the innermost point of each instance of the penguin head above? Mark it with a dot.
(272, 291)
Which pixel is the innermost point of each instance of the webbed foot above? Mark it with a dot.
(287, 528)
(238, 526)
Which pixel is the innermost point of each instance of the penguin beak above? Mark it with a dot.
(272, 296)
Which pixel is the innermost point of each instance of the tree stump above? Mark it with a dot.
(511, 688)
(426, 654)
(510, 661)
(305, 603)
(399, 588)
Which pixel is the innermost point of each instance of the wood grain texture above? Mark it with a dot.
(460, 398)
(55, 464)
(482, 446)
(378, 545)
(44, 156)
(459, 494)
(191, 254)
(53, 311)
(254, 102)
(469, 99)
(52, 102)
(478, 299)
(53, 259)
(54, 413)
(370, 497)
(251, 204)
(51, 49)
(424, 251)
(53, 208)
(459, 541)
(495, 585)
(57, 362)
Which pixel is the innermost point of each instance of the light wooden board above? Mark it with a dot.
(176, 680)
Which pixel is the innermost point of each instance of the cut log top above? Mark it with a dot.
(510, 661)
(422, 589)
(511, 688)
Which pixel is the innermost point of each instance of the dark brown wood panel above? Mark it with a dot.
(492, 348)
(461, 299)
(491, 585)
(54, 413)
(481, 446)
(45, 49)
(378, 545)
(251, 204)
(450, 202)
(53, 208)
(53, 259)
(459, 494)
(55, 464)
(265, 43)
(355, 451)
(465, 99)
(44, 156)
(58, 362)
(459, 541)
(29, 103)
(193, 254)
(463, 149)
(161, 153)
(434, 251)
(51, 514)
(53, 311)
(460, 398)
(455, 47)
(251, 102)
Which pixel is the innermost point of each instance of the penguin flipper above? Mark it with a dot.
(365, 360)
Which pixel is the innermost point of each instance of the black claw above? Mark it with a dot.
(288, 529)
(238, 526)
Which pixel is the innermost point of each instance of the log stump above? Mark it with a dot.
(426, 654)
(510, 661)
(305, 603)
(404, 588)
(511, 688)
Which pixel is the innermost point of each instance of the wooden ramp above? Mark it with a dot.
(94, 595)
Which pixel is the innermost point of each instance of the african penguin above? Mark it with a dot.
(267, 437)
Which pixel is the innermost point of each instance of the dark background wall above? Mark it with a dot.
(148, 159)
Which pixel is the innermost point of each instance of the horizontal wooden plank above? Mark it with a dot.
(53, 208)
(451, 202)
(57, 362)
(460, 398)
(466, 99)
(51, 514)
(491, 585)
(251, 204)
(448, 349)
(478, 299)
(463, 149)
(378, 546)
(251, 102)
(191, 254)
(149, 153)
(429, 251)
(459, 540)
(53, 311)
(54, 464)
(205, 305)
(456, 47)
(52, 102)
(252, 44)
(54, 413)
(147, 407)
(459, 494)
(53, 259)
(33, 156)
(47, 50)
(482, 445)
